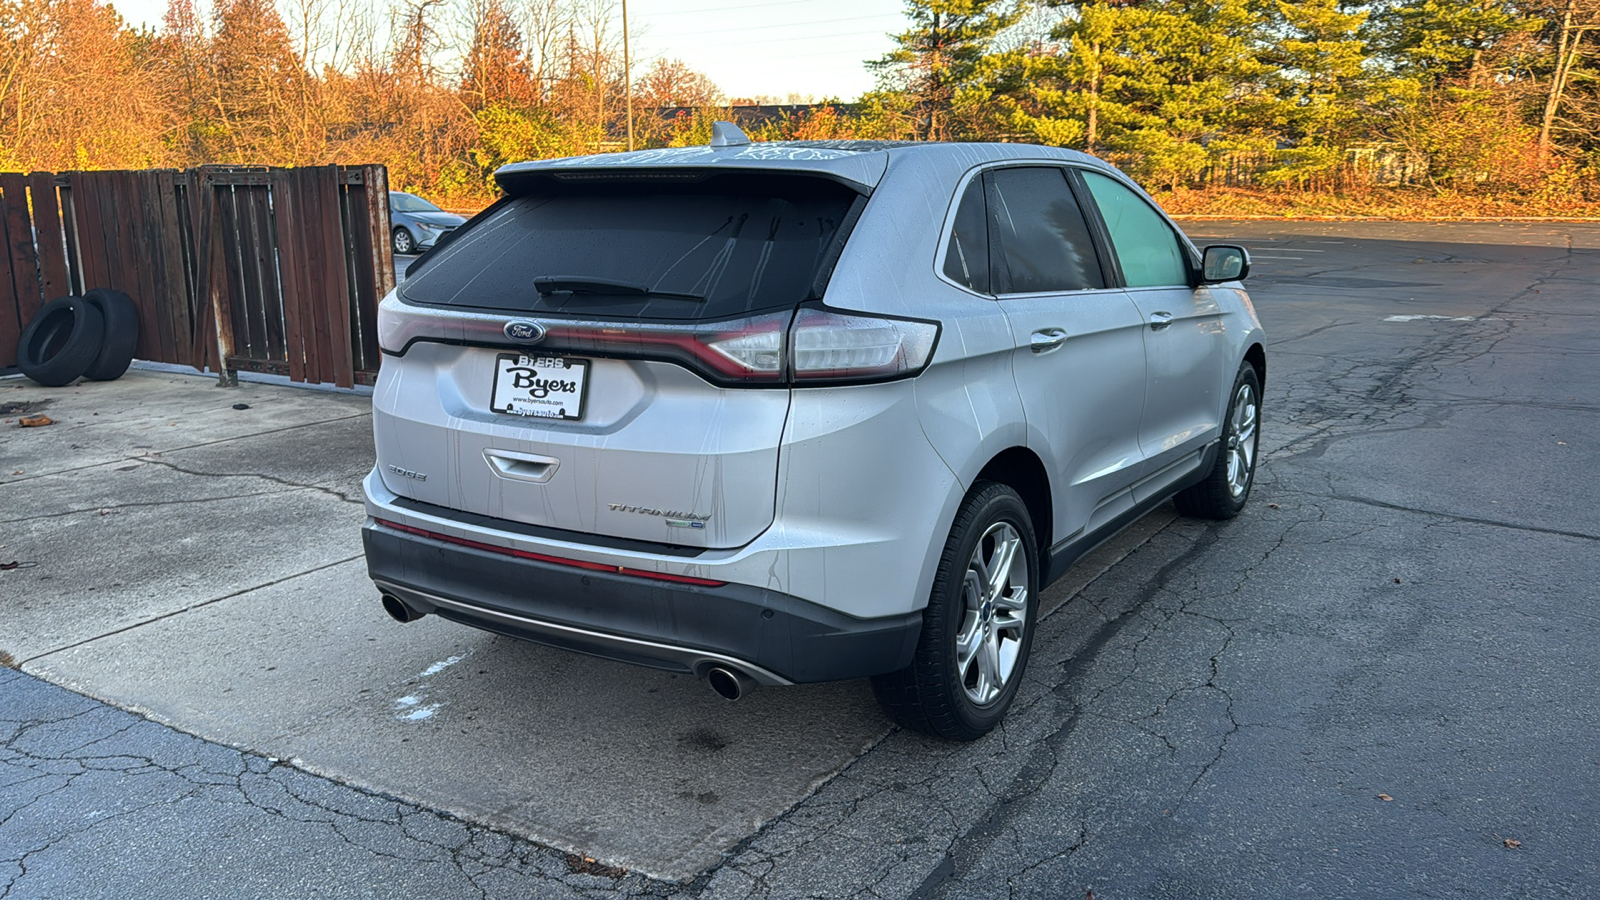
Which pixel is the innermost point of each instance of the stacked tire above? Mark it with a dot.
(92, 336)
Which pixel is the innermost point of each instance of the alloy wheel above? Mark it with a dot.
(993, 626)
(1242, 441)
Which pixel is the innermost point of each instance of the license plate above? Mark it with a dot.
(548, 387)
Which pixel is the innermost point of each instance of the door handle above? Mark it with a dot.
(521, 466)
(1160, 320)
(1046, 339)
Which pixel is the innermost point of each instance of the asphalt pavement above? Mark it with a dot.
(1378, 681)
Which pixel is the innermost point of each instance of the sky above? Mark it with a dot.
(748, 47)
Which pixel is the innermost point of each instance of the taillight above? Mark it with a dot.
(741, 351)
(813, 345)
(758, 350)
(830, 346)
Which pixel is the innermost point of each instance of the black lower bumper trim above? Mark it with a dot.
(635, 620)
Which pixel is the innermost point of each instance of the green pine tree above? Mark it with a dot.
(1150, 84)
(1323, 81)
(1444, 40)
(944, 62)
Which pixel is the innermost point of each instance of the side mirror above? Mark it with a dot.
(1224, 262)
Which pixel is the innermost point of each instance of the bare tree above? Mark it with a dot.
(1577, 19)
(544, 24)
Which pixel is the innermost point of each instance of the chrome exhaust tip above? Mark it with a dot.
(729, 683)
(398, 610)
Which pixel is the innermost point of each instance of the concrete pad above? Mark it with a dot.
(154, 550)
(97, 422)
(151, 494)
(650, 769)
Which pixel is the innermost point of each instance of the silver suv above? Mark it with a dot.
(798, 412)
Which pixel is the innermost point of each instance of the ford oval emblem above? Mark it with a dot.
(524, 332)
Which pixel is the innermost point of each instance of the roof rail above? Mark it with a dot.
(727, 134)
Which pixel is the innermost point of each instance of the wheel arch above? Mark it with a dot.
(1020, 469)
(1256, 356)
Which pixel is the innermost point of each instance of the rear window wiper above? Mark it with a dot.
(580, 284)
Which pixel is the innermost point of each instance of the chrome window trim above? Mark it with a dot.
(1081, 292)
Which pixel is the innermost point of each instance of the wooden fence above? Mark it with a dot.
(268, 270)
(1358, 167)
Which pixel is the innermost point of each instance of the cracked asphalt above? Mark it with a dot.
(1378, 681)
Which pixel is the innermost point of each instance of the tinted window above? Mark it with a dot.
(740, 242)
(966, 259)
(1038, 229)
(1145, 245)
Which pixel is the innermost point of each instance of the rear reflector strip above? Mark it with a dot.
(553, 560)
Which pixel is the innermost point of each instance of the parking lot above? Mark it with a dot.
(1378, 681)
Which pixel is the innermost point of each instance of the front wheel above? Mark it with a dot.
(404, 244)
(1227, 486)
(978, 626)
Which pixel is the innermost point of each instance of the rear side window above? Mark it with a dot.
(710, 248)
(966, 259)
(1040, 241)
(1146, 247)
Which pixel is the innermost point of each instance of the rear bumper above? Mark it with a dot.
(773, 637)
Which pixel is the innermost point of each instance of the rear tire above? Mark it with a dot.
(61, 341)
(1227, 486)
(978, 627)
(122, 333)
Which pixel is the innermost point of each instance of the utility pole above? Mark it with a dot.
(627, 71)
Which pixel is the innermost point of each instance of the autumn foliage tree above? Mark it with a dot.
(74, 89)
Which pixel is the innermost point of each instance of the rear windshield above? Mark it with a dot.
(711, 248)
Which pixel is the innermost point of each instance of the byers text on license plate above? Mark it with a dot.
(549, 387)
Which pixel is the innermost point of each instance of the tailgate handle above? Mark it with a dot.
(522, 466)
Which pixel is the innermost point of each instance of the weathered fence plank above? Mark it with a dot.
(274, 270)
(19, 245)
(11, 321)
(69, 230)
(246, 334)
(336, 280)
(201, 200)
(291, 273)
(261, 237)
(369, 217)
(171, 271)
(47, 226)
(139, 250)
(314, 326)
(88, 187)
